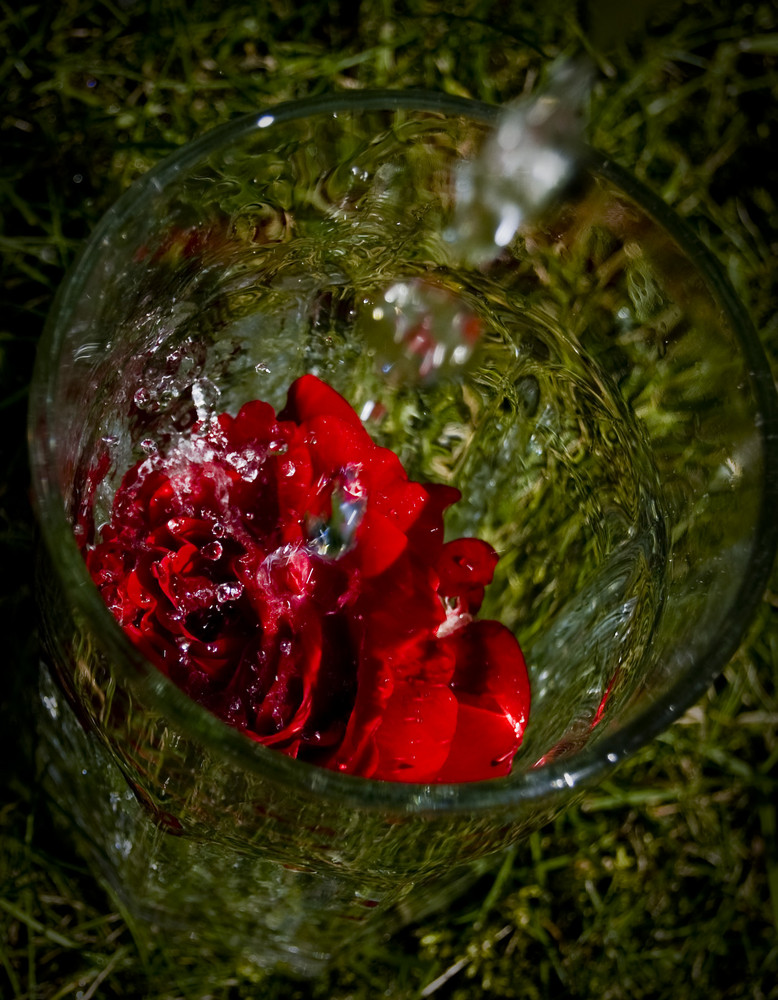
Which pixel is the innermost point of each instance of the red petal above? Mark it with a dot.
(492, 687)
(309, 397)
(255, 424)
(483, 746)
(335, 445)
(413, 740)
(425, 536)
(294, 480)
(381, 543)
(398, 606)
(403, 501)
(287, 705)
(465, 562)
(465, 567)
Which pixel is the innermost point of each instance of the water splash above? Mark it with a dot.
(420, 329)
(524, 169)
(334, 536)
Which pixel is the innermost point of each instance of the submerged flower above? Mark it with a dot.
(284, 572)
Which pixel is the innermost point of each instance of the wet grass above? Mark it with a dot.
(664, 881)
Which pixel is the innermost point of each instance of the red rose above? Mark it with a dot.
(286, 574)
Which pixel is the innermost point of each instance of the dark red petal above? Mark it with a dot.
(171, 569)
(196, 530)
(162, 504)
(216, 659)
(137, 593)
(309, 397)
(288, 703)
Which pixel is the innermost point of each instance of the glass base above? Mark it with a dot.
(202, 903)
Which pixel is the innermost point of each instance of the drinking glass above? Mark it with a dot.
(611, 425)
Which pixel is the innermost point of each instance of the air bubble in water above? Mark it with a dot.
(144, 400)
(212, 551)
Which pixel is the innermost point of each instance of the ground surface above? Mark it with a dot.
(664, 882)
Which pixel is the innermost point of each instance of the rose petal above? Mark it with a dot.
(255, 425)
(425, 535)
(413, 738)
(211, 564)
(483, 746)
(491, 685)
(287, 704)
(309, 397)
(380, 544)
(336, 444)
(465, 567)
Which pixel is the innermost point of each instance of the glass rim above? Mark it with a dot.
(537, 783)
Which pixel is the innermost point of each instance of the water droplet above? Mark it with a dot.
(51, 706)
(205, 396)
(144, 400)
(212, 551)
(246, 463)
(230, 591)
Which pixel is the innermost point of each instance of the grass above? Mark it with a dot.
(662, 882)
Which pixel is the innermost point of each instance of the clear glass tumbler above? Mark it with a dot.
(612, 429)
